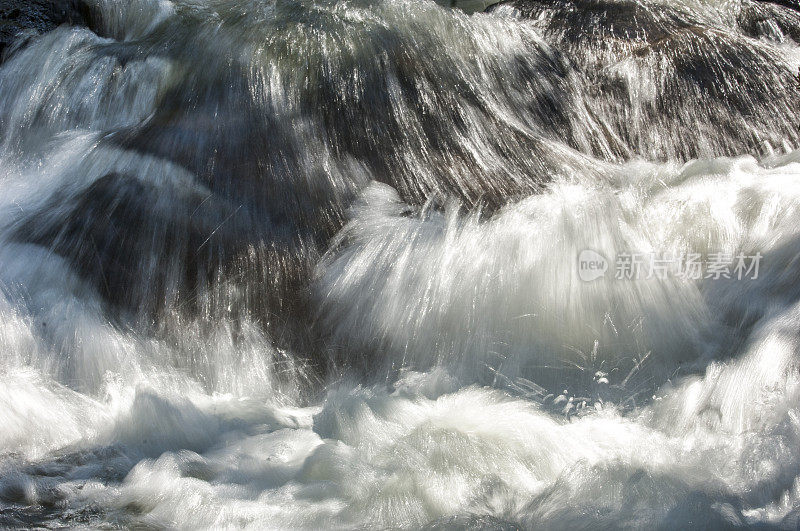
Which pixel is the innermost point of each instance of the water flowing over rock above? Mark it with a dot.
(370, 264)
(664, 80)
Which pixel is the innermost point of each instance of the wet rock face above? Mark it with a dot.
(600, 20)
(770, 20)
(146, 245)
(663, 81)
(791, 4)
(21, 19)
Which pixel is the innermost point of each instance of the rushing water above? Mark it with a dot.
(314, 263)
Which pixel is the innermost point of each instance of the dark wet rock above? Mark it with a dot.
(775, 21)
(210, 125)
(791, 4)
(21, 19)
(664, 84)
(113, 232)
(408, 135)
(429, 160)
(601, 20)
(152, 247)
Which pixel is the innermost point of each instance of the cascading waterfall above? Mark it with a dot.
(316, 264)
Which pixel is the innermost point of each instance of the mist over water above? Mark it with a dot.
(314, 264)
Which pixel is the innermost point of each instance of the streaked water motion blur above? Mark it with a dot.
(314, 264)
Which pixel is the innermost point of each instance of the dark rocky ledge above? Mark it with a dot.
(22, 19)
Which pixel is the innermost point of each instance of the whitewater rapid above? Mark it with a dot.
(270, 265)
